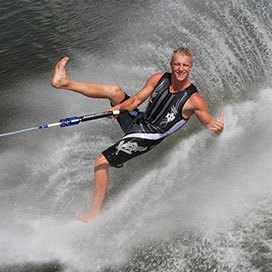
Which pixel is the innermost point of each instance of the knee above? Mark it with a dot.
(117, 94)
(116, 89)
(101, 162)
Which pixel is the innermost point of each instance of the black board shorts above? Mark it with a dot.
(129, 147)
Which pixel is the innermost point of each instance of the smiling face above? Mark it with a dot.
(181, 66)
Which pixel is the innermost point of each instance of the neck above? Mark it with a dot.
(177, 86)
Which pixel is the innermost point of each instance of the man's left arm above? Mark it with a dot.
(201, 111)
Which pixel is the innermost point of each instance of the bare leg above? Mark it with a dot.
(60, 80)
(101, 181)
(115, 94)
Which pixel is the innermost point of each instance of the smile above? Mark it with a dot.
(180, 72)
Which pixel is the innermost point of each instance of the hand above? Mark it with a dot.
(218, 125)
(112, 109)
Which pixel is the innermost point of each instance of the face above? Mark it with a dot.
(181, 67)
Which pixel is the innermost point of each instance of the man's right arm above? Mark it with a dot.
(135, 101)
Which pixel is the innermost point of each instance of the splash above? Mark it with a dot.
(196, 202)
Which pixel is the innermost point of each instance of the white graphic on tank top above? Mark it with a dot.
(129, 147)
(171, 116)
(155, 92)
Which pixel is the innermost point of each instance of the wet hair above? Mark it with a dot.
(183, 51)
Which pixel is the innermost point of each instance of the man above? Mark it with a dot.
(173, 99)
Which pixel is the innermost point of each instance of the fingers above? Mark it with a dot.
(216, 130)
(111, 116)
(218, 125)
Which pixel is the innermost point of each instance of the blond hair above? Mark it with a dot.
(183, 51)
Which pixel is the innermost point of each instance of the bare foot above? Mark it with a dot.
(86, 217)
(60, 78)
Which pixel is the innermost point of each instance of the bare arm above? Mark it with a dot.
(136, 100)
(198, 106)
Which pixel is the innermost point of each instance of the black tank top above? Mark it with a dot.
(163, 114)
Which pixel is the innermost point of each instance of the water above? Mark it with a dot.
(196, 202)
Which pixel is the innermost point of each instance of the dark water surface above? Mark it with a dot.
(36, 33)
(195, 203)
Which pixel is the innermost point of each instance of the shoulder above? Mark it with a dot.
(153, 80)
(156, 77)
(196, 101)
(194, 104)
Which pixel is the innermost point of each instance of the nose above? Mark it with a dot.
(180, 68)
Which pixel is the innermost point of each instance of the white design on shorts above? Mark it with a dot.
(129, 147)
